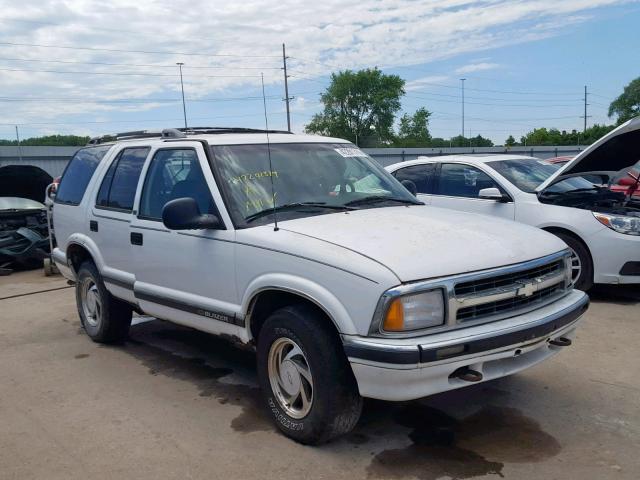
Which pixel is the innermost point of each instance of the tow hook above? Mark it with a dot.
(466, 374)
(560, 342)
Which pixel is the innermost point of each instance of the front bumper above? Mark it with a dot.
(406, 369)
(611, 251)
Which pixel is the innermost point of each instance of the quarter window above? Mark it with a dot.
(420, 175)
(118, 188)
(458, 180)
(78, 174)
(173, 174)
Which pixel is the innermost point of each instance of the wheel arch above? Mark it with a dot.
(555, 229)
(265, 300)
(81, 248)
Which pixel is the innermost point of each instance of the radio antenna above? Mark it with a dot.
(266, 124)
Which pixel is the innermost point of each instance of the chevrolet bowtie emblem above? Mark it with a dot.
(528, 288)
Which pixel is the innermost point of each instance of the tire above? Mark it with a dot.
(334, 404)
(579, 252)
(104, 318)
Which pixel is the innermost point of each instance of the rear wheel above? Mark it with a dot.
(105, 318)
(581, 263)
(305, 376)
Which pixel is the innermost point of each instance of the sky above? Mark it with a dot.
(89, 68)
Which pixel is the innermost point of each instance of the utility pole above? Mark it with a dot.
(584, 129)
(184, 108)
(462, 85)
(286, 86)
(19, 146)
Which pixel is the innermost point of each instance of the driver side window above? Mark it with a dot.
(458, 180)
(173, 174)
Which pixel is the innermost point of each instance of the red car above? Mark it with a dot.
(625, 182)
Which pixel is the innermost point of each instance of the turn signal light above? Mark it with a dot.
(394, 321)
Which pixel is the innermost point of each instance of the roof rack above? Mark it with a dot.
(176, 133)
(219, 130)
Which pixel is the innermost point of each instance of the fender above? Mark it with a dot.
(312, 291)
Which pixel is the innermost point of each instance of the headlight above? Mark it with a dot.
(619, 223)
(414, 311)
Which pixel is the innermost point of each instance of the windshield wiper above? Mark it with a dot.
(293, 206)
(379, 198)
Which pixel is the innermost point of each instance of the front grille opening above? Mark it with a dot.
(502, 306)
(484, 284)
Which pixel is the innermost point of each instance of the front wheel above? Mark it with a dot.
(581, 263)
(306, 379)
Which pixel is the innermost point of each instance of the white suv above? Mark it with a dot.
(304, 247)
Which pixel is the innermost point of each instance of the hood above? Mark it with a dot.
(16, 203)
(615, 151)
(421, 242)
(25, 181)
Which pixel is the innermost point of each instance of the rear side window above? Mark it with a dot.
(78, 174)
(118, 188)
(420, 175)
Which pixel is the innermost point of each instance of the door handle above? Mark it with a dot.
(136, 238)
(93, 225)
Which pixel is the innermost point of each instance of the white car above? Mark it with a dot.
(572, 201)
(303, 247)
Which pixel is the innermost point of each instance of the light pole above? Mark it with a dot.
(462, 85)
(184, 108)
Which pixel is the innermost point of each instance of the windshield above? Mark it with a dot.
(308, 179)
(528, 173)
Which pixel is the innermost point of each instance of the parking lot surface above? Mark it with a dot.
(176, 403)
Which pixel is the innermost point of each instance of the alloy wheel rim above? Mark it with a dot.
(290, 377)
(91, 302)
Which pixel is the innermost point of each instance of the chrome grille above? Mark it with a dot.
(502, 306)
(499, 281)
(499, 295)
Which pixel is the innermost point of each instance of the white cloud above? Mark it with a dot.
(421, 82)
(477, 67)
(320, 37)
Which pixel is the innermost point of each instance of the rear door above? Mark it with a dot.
(458, 185)
(111, 215)
(423, 177)
(185, 276)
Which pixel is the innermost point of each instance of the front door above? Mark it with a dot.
(458, 186)
(184, 276)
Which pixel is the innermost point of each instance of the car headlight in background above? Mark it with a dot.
(619, 223)
(415, 311)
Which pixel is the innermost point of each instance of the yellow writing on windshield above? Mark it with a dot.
(248, 177)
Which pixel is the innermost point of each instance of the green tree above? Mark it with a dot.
(627, 105)
(50, 140)
(553, 136)
(477, 141)
(359, 105)
(510, 142)
(414, 129)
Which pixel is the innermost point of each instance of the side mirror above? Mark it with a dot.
(493, 194)
(184, 214)
(409, 185)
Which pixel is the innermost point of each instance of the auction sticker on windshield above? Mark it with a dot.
(349, 152)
